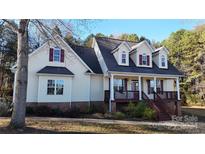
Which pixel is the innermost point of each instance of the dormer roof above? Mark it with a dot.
(159, 49)
(107, 45)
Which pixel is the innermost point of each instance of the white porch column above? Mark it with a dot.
(178, 88)
(111, 92)
(155, 84)
(140, 88)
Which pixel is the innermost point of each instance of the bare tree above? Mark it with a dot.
(21, 28)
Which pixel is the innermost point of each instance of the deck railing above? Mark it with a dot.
(167, 95)
(123, 95)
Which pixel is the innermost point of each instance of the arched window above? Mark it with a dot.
(163, 61)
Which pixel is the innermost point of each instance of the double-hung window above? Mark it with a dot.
(57, 55)
(59, 87)
(124, 57)
(55, 87)
(144, 59)
(163, 61)
(51, 87)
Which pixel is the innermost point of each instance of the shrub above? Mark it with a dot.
(136, 110)
(118, 115)
(149, 113)
(57, 112)
(43, 111)
(30, 110)
(4, 109)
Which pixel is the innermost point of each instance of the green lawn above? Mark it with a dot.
(50, 126)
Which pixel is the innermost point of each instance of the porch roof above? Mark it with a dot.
(107, 45)
(55, 70)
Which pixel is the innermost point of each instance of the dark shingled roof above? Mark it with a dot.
(88, 56)
(55, 70)
(107, 45)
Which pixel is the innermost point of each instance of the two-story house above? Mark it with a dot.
(113, 72)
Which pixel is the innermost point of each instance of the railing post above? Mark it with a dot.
(140, 88)
(155, 84)
(178, 88)
(111, 92)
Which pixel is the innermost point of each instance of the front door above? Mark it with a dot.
(134, 88)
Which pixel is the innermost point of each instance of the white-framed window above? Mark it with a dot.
(144, 59)
(163, 61)
(51, 87)
(59, 87)
(55, 87)
(124, 57)
(56, 54)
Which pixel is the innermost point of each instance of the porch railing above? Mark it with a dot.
(167, 95)
(123, 95)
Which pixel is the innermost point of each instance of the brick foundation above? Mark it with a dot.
(74, 106)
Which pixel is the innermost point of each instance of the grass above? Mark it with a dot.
(198, 111)
(34, 126)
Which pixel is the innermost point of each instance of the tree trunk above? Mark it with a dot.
(19, 101)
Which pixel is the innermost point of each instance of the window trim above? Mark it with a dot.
(50, 86)
(163, 62)
(124, 58)
(59, 87)
(144, 57)
(55, 87)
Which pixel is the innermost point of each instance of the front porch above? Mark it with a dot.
(131, 88)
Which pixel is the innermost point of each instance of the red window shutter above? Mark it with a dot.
(148, 60)
(148, 87)
(62, 55)
(51, 54)
(140, 58)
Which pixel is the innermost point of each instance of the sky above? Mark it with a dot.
(153, 29)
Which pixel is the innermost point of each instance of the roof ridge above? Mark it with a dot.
(117, 39)
(82, 46)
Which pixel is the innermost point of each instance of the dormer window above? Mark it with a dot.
(163, 61)
(124, 57)
(56, 55)
(144, 59)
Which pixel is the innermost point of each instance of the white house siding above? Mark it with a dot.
(157, 58)
(40, 59)
(169, 85)
(42, 92)
(118, 54)
(97, 88)
(162, 52)
(106, 83)
(143, 48)
(134, 58)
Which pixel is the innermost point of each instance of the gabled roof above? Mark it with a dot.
(107, 45)
(55, 70)
(159, 49)
(88, 56)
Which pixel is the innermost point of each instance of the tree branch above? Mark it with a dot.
(11, 25)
